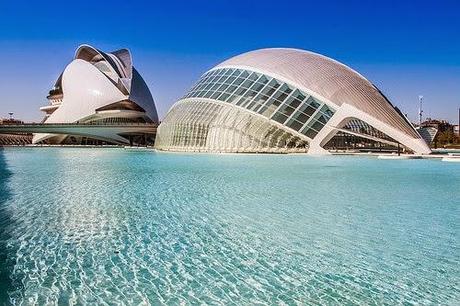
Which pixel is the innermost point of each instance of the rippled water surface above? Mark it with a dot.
(105, 226)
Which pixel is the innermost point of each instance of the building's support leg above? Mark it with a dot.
(347, 112)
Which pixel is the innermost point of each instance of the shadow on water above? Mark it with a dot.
(5, 224)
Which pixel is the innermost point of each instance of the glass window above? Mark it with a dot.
(294, 124)
(247, 83)
(244, 74)
(313, 102)
(238, 81)
(301, 117)
(257, 87)
(269, 107)
(298, 95)
(254, 76)
(231, 88)
(230, 80)
(317, 125)
(309, 133)
(208, 86)
(263, 80)
(279, 117)
(208, 94)
(215, 94)
(261, 99)
(224, 96)
(214, 87)
(293, 102)
(283, 92)
(238, 93)
(236, 72)
(223, 87)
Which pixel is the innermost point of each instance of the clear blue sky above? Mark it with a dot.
(406, 48)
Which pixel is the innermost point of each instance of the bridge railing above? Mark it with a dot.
(82, 124)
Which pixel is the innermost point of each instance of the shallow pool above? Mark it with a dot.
(102, 226)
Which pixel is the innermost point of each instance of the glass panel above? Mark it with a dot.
(223, 87)
(313, 102)
(236, 72)
(224, 96)
(254, 76)
(257, 87)
(298, 95)
(244, 74)
(294, 124)
(239, 92)
(301, 117)
(287, 110)
(279, 117)
(282, 93)
(270, 107)
(263, 80)
(215, 94)
(261, 99)
(310, 133)
(214, 87)
(238, 81)
(231, 88)
(247, 83)
(317, 125)
(208, 94)
(292, 102)
(248, 96)
(230, 80)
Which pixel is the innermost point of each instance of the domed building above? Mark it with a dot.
(284, 100)
(102, 89)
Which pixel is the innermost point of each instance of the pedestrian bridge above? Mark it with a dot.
(108, 132)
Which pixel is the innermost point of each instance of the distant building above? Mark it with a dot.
(14, 139)
(438, 133)
(10, 121)
(440, 125)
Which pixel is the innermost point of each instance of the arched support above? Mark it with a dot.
(347, 112)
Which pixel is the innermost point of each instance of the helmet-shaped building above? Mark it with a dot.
(284, 100)
(100, 88)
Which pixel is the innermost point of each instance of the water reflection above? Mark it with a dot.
(6, 263)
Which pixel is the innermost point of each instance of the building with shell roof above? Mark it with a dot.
(284, 100)
(98, 88)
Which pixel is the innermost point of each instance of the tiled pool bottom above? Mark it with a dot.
(108, 226)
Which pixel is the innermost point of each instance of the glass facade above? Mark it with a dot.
(196, 123)
(362, 136)
(204, 126)
(266, 96)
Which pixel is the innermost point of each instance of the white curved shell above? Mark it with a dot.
(306, 95)
(86, 89)
(95, 79)
(325, 77)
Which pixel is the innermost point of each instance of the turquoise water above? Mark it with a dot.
(105, 226)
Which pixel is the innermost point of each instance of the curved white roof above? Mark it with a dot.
(326, 77)
(121, 62)
(95, 79)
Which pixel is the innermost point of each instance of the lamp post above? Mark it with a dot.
(420, 111)
(458, 123)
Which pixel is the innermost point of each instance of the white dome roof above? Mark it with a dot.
(325, 77)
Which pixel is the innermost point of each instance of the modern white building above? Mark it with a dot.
(102, 89)
(284, 100)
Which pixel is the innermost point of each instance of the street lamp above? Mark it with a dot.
(420, 111)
